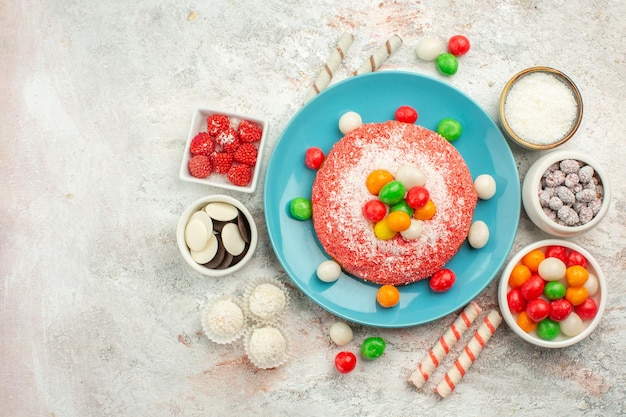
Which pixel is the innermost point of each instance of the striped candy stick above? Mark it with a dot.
(335, 58)
(380, 55)
(444, 344)
(469, 354)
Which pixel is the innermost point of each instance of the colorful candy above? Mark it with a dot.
(392, 192)
(417, 197)
(373, 347)
(382, 230)
(427, 212)
(442, 280)
(345, 362)
(450, 129)
(458, 45)
(313, 158)
(447, 64)
(374, 210)
(402, 206)
(388, 296)
(300, 208)
(398, 221)
(554, 290)
(406, 114)
(377, 179)
(548, 329)
(341, 333)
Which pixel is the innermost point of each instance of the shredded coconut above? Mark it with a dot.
(267, 347)
(225, 318)
(540, 108)
(267, 301)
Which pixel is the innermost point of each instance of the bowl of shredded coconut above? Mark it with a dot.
(540, 108)
(566, 193)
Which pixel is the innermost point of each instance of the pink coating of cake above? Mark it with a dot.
(339, 193)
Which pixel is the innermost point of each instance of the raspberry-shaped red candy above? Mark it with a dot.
(240, 174)
(249, 132)
(222, 161)
(228, 140)
(246, 153)
(217, 123)
(200, 166)
(202, 144)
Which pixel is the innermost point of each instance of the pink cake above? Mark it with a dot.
(339, 193)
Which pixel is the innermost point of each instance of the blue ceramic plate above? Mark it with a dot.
(375, 97)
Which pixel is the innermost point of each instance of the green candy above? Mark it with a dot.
(393, 192)
(402, 206)
(373, 347)
(447, 63)
(300, 208)
(554, 290)
(548, 329)
(450, 129)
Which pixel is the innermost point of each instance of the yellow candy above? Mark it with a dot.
(382, 230)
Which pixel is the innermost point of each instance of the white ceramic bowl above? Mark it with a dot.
(505, 118)
(530, 193)
(561, 340)
(200, 205)
(199, 124)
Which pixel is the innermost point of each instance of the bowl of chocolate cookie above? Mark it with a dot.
(216, 235)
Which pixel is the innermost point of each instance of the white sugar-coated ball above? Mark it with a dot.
(410, 176)
(414, 231)
(592, 285)
(478, 235)
(349, 121)
(571, 325)
(430, 48)
(341, 333)
(485, 186)
(328, 271)
(552, 269)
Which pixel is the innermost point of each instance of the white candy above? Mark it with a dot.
(341, 333)
(328, 271)
(207, 253)
(204, 218)
(414, 231)
(196, 235)
(410, 176)
(429, 48)
(485, 186)
(221, 211)
(592, 285)
(349, 121)
(232, 240)
(478, 235)
(552, 269)
(571, 325)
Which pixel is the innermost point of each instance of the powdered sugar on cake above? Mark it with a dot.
(339, 193)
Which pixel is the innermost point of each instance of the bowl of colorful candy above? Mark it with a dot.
(216, 235)
(540, 108)
(224, 149)
(552, 293)
(566, 193)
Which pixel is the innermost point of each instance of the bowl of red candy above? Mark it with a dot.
(224, 149)
(552, 293)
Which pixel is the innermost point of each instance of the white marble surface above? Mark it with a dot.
(98, 312)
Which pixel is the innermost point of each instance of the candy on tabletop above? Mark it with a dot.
(458, 45)
(373, 347)
(345, 362)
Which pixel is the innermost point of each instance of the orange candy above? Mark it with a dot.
(398, 221)
(576, 275)
(377, 179)
(532, 259)
(576, 295)
(426, 212)
(388, 296)
(525, 322)
(519, 275)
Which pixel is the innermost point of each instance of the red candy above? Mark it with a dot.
(406, 114)
(587, 310)
(516, 301)
(442, 280)
(345, 362)
(417, 197)
(575, 258)
(560, 309)
(537, 309)
(458, 45)
(374, 210)
(533, 287)
(558, 252)
(313, 158)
